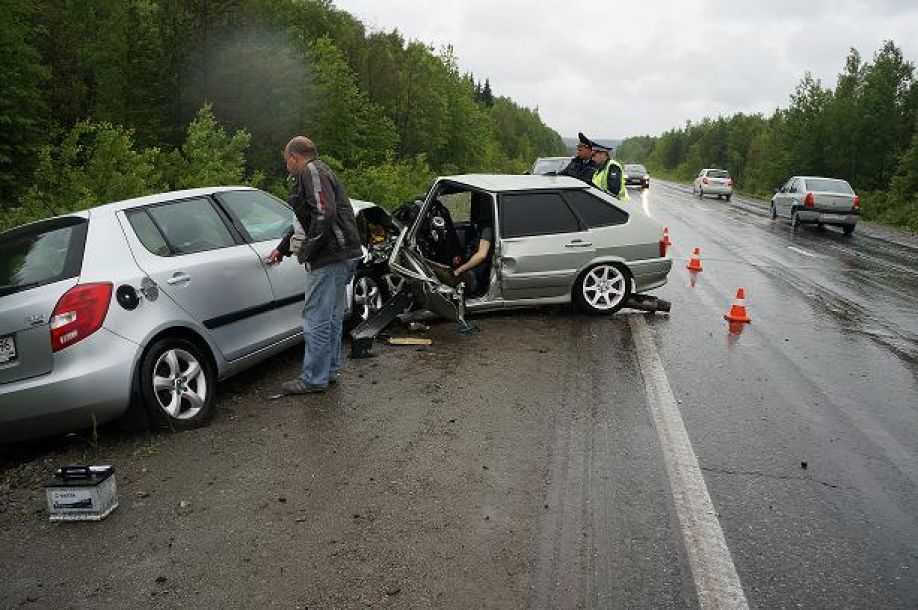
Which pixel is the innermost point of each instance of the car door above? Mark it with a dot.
(542, 245)
(263, 220)
(783, 198)
(195, 257)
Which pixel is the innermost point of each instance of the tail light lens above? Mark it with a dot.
(809, 201)
(704, 180)
(663, 247)
(857, 202)
(79, 313)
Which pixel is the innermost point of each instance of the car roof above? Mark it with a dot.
(510, 182)
(552, 159)
(136, 202)
(821, 178)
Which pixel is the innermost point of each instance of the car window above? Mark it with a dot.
(792, 186)
(594, 211)
(828, 185)
(527, 214)
(459, 205)
(636, 168)
(544, 166)
(191, 226)
(718, 173)
(147, 233)
(262, 216)
(41, 253)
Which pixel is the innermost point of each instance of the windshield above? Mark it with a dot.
(637, 169)
(545, 166)
(41, 253)
(718, 173)
(828, 185)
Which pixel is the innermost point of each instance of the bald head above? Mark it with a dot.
(299, 151)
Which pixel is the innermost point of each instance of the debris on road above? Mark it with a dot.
(81, 493)
(409, 341)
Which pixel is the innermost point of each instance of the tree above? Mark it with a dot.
(210, 156)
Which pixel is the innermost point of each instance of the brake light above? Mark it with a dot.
(704, 180)
(664, 246)
(730, 182)
(809, 201)
(79, 313)
(857, 202)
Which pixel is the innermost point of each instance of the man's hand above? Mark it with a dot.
(274, 258)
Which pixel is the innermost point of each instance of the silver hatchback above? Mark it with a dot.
(818, 201)
(555, 240)
(149, 301)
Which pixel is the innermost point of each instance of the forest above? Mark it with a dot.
(864, 130)
(111, 99)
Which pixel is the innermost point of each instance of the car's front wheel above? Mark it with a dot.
(603, 289)
(773, 212)
(177, 384)
(368, 298)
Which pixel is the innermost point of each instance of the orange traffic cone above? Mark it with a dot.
(666, 241)
(737, 313)
(694, 263)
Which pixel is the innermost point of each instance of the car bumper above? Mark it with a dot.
(90, 384)
(825, 217)
(650, 274)
(637, 182)
(713, 189)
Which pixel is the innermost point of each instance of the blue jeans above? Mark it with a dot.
(323, 319)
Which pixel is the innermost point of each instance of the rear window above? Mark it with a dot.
(594, 211)
(828, 185)
(41, 253)
(528, 214)
(718, 173)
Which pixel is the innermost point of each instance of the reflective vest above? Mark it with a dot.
(601, 180)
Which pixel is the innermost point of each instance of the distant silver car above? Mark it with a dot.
(153, 300)
(635, 173)
(554, 240)
(549, 166)
(819, 201)
(713, 182)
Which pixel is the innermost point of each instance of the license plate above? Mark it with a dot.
(7, 349)
(833, 217)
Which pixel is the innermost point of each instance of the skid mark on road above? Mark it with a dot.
(716, 580)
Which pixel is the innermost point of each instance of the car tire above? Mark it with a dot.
(728, 197)
(603, 289)
(794, 219)
(178, 384)
(848, 229)
(701, 193)
(773, 212)
(368, 298)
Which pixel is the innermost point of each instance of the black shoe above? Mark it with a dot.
(298, 386)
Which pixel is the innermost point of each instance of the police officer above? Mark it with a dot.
(581, 166)
(609, 175)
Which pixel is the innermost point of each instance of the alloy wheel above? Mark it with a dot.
(179, 384)
(604, 287)
(367, 297)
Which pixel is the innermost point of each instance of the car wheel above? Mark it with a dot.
(603, 289)
(368, 298)
(701, 193)
(848, 229)
(392, 284)
(727, 197)
(694, 192)
(177, 384)
(794, 219)
(773, 212)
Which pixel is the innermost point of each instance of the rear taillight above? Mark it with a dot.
(79, 313)
(663, 247)
(730, 182)
(809, 201)
(704, 180)
(857, 202)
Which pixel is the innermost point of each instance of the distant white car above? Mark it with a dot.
(713, 182)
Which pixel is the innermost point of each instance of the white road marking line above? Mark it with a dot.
(801, 251)
(716, 581)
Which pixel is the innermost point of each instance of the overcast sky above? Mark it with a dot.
(615, 69)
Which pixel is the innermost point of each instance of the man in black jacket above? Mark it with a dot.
(581, 166)
(327, 242)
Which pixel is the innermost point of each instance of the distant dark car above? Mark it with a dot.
(549, 166)
(636, 174)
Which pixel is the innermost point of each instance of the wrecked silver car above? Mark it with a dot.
(553, 240)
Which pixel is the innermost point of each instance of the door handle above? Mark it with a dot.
(579, 244)
(179, 278)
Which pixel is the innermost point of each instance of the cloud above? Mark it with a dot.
(615, 69)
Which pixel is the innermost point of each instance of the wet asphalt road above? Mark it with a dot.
(520, 467)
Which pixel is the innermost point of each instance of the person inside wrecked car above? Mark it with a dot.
(581, 166)
(326, 240)
(475, 272)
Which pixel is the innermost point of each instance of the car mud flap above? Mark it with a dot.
(363, 335)
(645, 302)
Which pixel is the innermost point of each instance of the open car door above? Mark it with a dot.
(433, 285)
